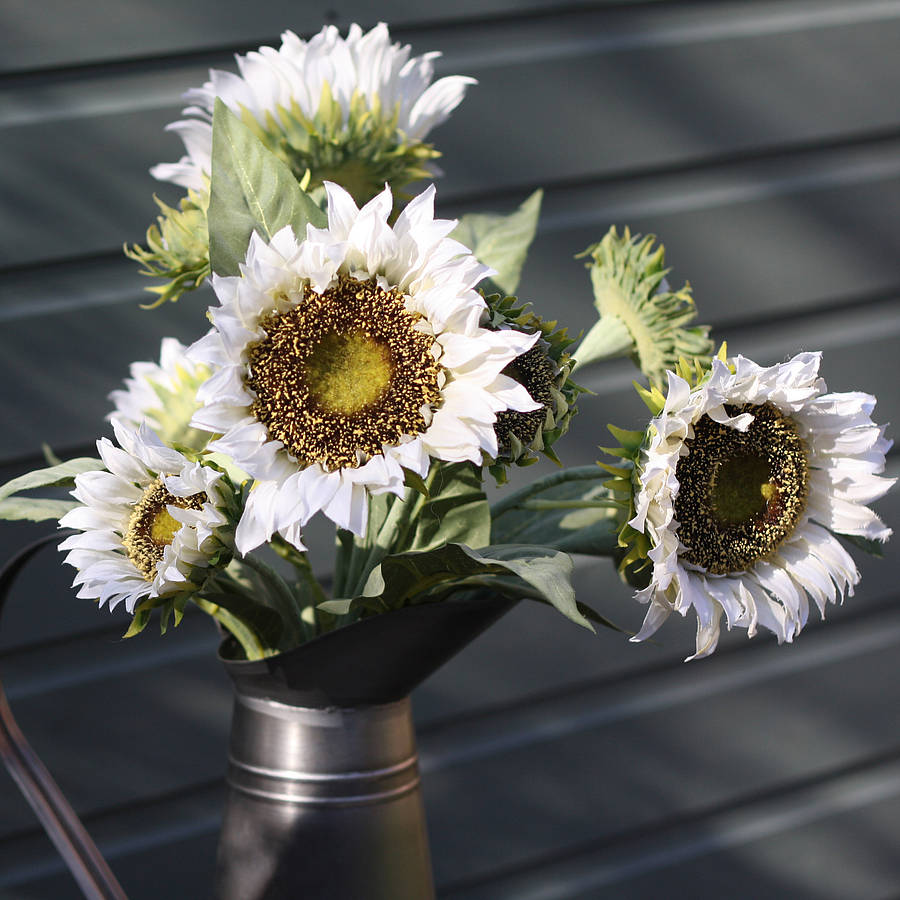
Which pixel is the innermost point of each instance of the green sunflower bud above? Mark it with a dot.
(177, 247)
(544, 372)
(639, 316)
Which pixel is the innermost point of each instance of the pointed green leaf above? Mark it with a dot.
(62, 475)
(630, 440)
(548, 571)
(33, 509)
(608, 338)
(516, 570)
(502, 241)
(264, 621)
(337, 607)
(415, 481)
(589, 530)
(456, 510)
(873, 548)
(250, 190)
(139, 622)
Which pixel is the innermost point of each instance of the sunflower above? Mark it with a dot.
(543, 371)
(741, 483)
(152, 523)
(350, 359)
(163, 395)
(354, 110)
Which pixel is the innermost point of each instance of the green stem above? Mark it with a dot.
(363, 558)
(578, 473)
(308, 584)
(282, 599)
(246, 637)
(569, 504)
(345, 546)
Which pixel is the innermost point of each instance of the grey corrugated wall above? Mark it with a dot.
(760, 141)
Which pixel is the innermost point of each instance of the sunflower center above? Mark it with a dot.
(344, 373)
(348, 372)
(741, 494)
(536, 372)
(151, 527)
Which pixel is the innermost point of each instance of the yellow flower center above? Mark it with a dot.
(348, 372)
(741, 494)
(342, 374)
(163, 528)
(151, 527)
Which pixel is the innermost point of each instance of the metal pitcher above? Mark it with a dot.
(324, 798)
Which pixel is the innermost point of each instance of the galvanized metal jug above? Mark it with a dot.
(324, 798)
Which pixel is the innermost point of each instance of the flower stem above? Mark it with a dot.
(578, 473)
(283, 599)
(311, 591)
(246, 637)
(569, 504)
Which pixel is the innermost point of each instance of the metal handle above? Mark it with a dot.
(56, 815)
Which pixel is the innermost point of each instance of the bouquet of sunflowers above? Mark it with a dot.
(369, 363)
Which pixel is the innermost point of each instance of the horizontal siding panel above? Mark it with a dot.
(587, 769)
(631, 773)
(820, 842)
(116, 30)
(640, 91)
(532, 667)
(781, 253)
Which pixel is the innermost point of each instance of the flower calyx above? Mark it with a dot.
(543, 371)
(639, 316)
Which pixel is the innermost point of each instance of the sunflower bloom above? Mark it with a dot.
(743, 482)
(349, 358)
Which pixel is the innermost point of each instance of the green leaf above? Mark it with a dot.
(873, 548)
(141, 619)
(548, 571)
(516, 570)
(250, 190)
(453, 508)
(502, 241)
(415, 481)
(264, 622)
(456, 510)
(62, 475)
(590, 530)
(608, 338)
(16, 508)
(33, 509)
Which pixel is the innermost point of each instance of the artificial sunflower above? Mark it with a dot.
(740, 484)
(350, 359)
(543, 370)
(163, 395)
(153, 524)
(354, 110)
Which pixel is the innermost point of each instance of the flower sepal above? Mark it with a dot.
(543, 370)
(176, 247)
(639, 316)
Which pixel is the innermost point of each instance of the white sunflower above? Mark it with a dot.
(355, 110)
(349, 357)
(150, 525)
(741, 487)
(163, 395)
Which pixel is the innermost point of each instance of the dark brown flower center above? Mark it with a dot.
(535, 371)
(343, 373)
(741, 494)
(151, 527)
